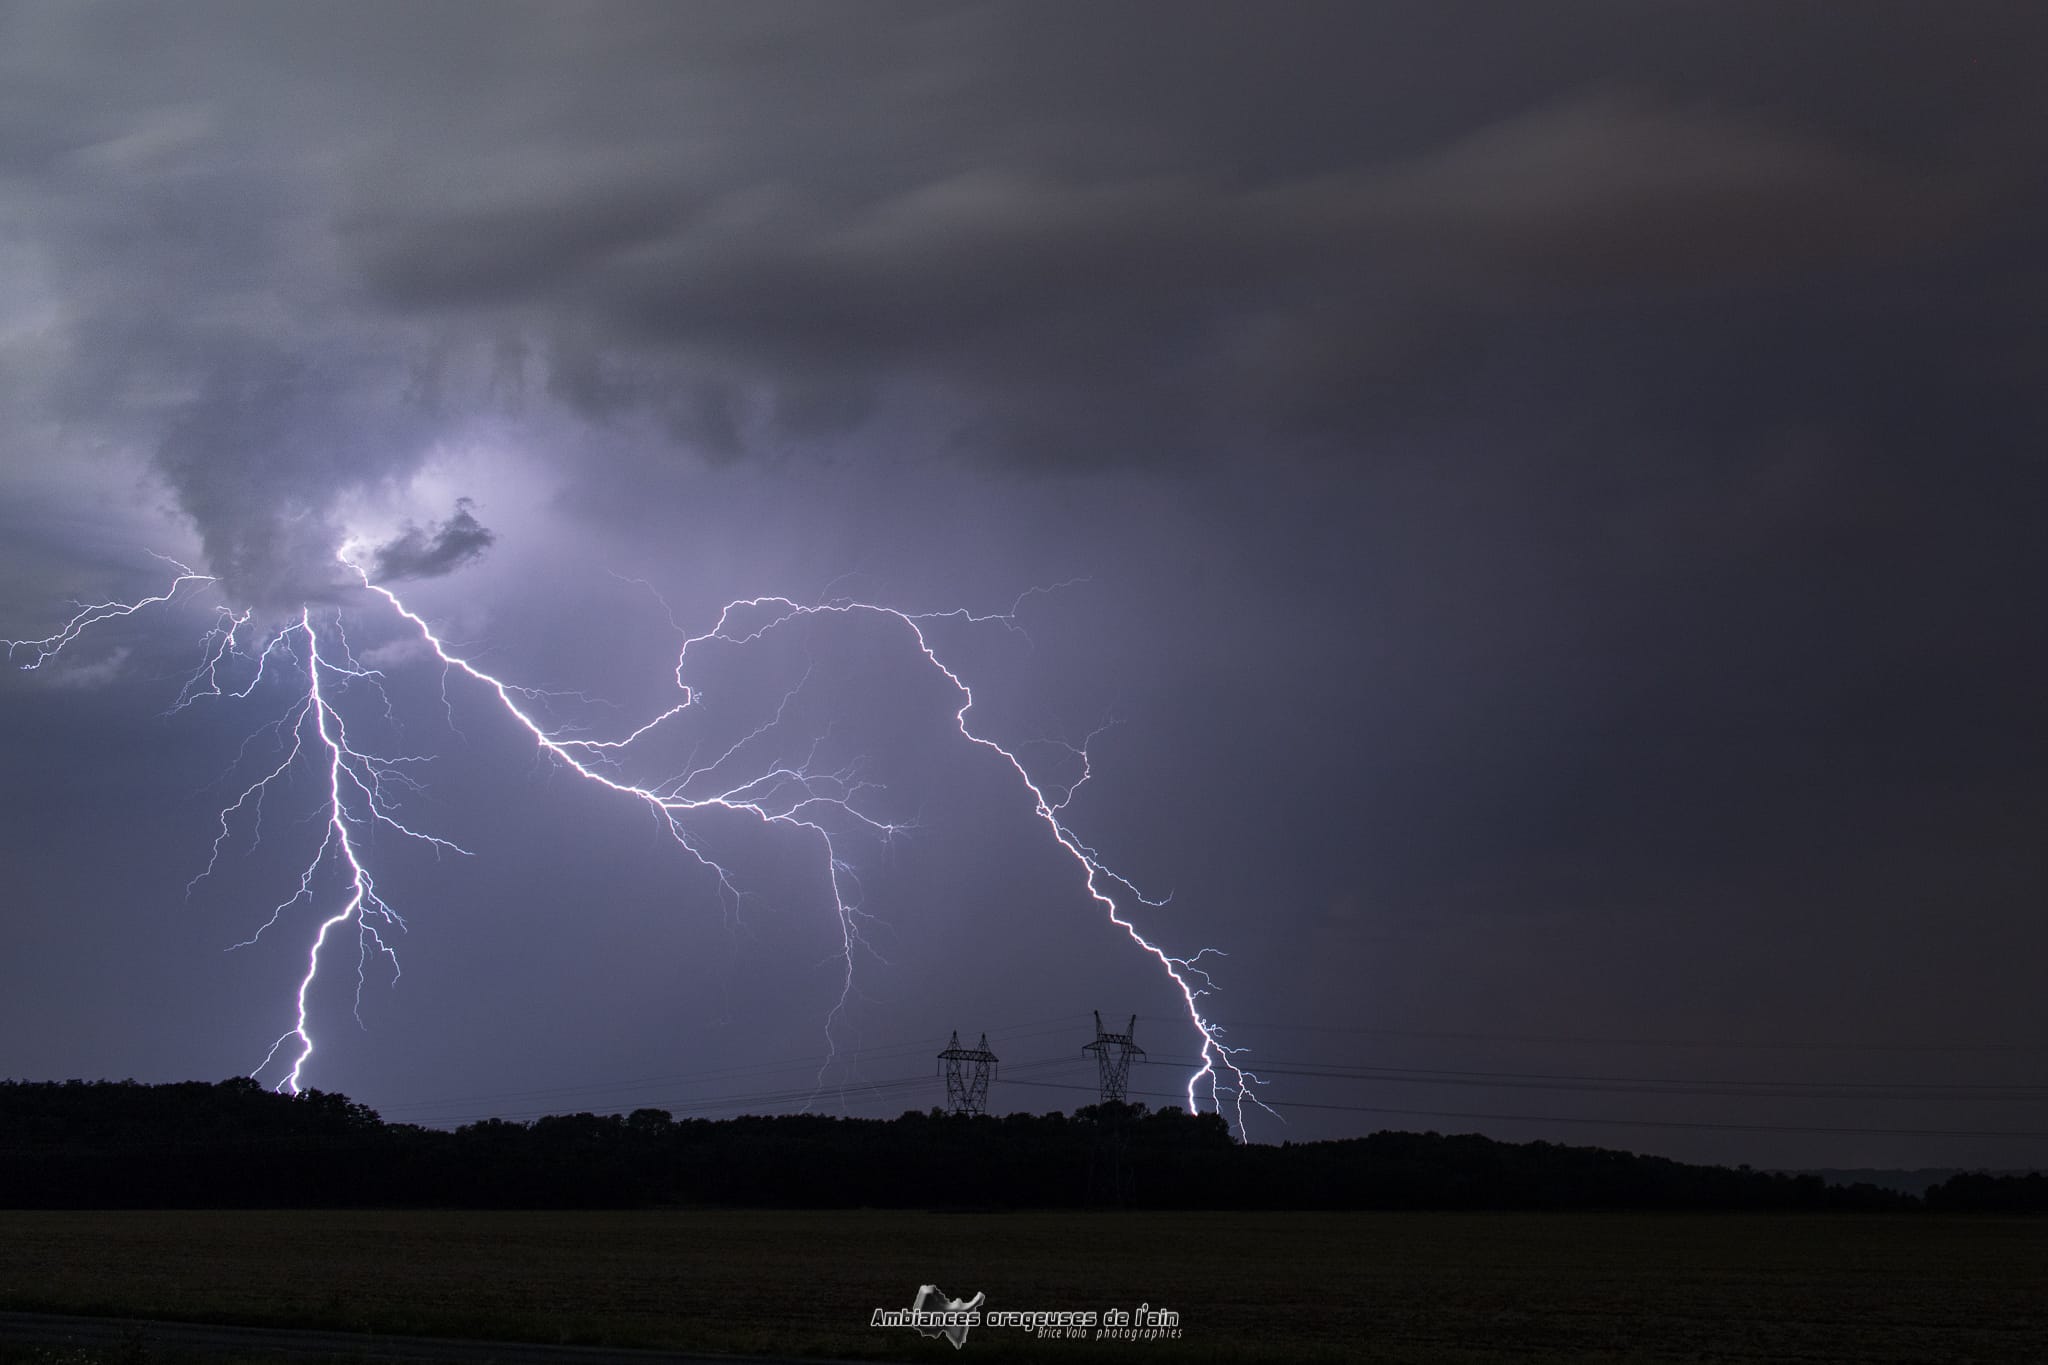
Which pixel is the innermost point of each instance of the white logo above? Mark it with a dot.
(934, 1315)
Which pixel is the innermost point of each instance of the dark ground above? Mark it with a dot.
(1400, 1287)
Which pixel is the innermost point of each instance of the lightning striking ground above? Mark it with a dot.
(361, 791)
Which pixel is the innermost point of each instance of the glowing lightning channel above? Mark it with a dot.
(1219, 1069)
(356, 797)
(357, 794)
(90, 614)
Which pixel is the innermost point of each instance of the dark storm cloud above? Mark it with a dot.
(1088, 245)
(1618, 189)
(439, 547)
(259, 455)
(1144, 309)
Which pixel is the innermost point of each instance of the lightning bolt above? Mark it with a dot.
(362, 789)
(90, 614)
(356, 783)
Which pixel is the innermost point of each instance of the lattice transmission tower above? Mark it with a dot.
(967, 1090)
(1113, 1055)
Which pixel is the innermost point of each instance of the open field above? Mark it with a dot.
(1421, 1287)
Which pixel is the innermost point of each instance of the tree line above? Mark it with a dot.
(120, 1144)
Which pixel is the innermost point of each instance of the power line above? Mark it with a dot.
(1647, 1085)
(1037, 1028)
(795, 1096)
(1587, 1040)
(611, 1095)
(1020, 1074)
(1618, 1123)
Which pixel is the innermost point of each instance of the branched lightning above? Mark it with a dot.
(90, 614)
(361, 790)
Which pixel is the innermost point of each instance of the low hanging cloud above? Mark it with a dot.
(93, 676)
(936, 217)
(1078, 318)
(438, 548)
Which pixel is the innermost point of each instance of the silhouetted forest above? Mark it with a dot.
(111, 1144)
(1978, 1193)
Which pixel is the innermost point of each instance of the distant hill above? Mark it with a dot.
(1914, 1182)
(191, 1144)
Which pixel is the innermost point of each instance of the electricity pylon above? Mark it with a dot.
(967, 1092)
(1113, 1054)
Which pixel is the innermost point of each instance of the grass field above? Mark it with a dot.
(1438, 1287)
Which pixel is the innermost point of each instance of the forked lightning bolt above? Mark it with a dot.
(360, 789)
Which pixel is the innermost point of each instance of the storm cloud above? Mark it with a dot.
(1049, 248)
(439, 547)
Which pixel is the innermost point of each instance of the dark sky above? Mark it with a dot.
(1555, 489)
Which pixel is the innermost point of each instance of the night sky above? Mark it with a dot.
(1547, 498)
